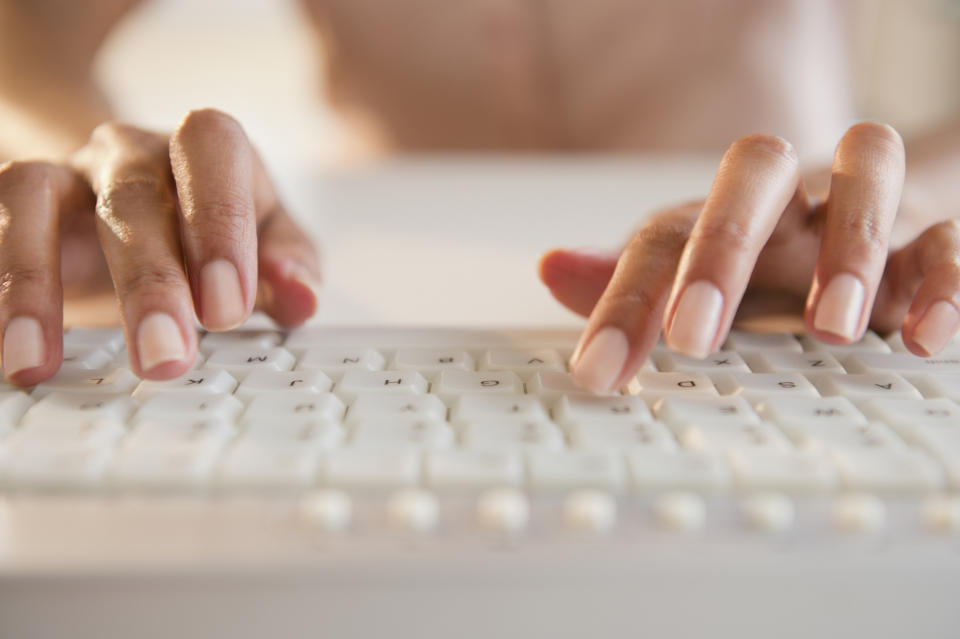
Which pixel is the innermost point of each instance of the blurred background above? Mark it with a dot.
(332, 92)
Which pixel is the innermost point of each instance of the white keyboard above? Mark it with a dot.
(331, 472)
(418, 418)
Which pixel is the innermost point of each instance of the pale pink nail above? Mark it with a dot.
(159, 341)
(221, 296)
(937, 327)
(696, 320)
(23, 345)
(601, 361)
(840, 306)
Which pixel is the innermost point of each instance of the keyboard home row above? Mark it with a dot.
(770, 419)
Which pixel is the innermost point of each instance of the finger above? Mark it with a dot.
(138, 229)
(865, 187)
(920, 291)
(32, 195)
(289, 275)
(577, 278)
(756, 182)
(625, 322)
(213, 166)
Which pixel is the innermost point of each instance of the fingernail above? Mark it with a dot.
(159, 341)
(600, 363)
(23, 345)
(221, 296)
(937, 327)
(302, 274)
(840, 306)
(696, 320)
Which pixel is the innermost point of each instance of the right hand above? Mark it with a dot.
(186, 225)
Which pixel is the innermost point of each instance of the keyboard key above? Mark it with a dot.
(681, 411)
(721, 362)
(86, 358)
(859, 514)
(61, 468)
(935, 385)
(768, 512)
(114, 381)
(907, 413)
(865, 386)
(786, 362)
(582, 409)
(239, 339)
(452, 383)
(870, 343)
(80, 408)
(241, 361)
(381, 435)
(201, 380)
(292, 433)
(503, 510)
(756, 387)
(507, 407)
(576, 469)
(386, 407)
(653, 387)
(502, 435)
(64, 435)
(726, 436)
(840, 436)
(298, 406)
(164, 467)
(414, 511)
(744, 341)
(589, 511)
(109, 339)
(680, 511)
(523, 362)
(620, 436)
(185, 406)
(888, 471)
(474, 469)
(268, 381)
(187, 435)
(335, 362)
(901, 363)
(13, 405)
(357, 382)
(429, 362)
(802, 410)
(651, 471)
(248, 464)
(371, 469)
(787, 471)
(550, 386)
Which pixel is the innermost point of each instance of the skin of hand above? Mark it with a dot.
(685, 271)
(187, 225)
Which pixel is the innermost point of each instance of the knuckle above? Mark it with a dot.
(150, 277)
(115, 133)
(637, 300)
(665, 235)
(25, 174)
(765, 145)
(867, 231)
(208, 121)
(24, 277)
(123, 194)
(726, 235)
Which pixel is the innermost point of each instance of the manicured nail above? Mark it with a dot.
(159, 341)
(696, 320)
(23, 345)
(601, 361)
(221, 296)
(840, 306)
(937, 327)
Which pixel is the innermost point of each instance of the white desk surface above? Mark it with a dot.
(455, 240)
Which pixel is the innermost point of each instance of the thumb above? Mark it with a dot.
(577, 277)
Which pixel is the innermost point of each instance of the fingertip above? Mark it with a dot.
(289, 292)
(934, 331)
(30, 356)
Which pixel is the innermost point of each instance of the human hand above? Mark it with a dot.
(186, 225)
(687, 269)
